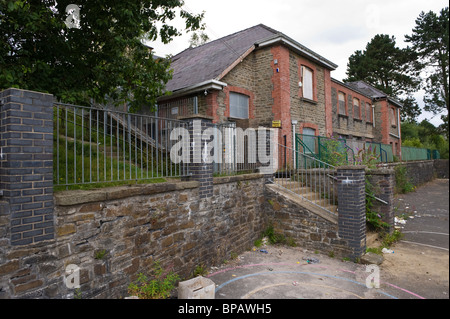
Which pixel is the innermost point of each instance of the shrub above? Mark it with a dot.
(402, 182)
(158, 286)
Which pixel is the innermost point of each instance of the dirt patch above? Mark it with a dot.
(422, 270)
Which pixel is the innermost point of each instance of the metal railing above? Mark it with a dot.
(96, 145)
(307, 177)
(233, 153)
(179, 107)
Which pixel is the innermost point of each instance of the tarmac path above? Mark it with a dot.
(418, 268)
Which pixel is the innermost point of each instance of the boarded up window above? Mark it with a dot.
(368, 112)
(341, 104)
(356, 109)
(308, 83)
(239, 105)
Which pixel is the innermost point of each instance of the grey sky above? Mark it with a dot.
(333, 29)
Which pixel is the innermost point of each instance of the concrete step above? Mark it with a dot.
(306, 193)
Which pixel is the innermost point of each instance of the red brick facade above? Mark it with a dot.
(271, 77)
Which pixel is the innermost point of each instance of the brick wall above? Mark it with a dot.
(352, 208)
(348, 125)
(27, 164)
(308, 113)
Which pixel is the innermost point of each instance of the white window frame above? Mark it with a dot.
(344, 110)
(307, 83)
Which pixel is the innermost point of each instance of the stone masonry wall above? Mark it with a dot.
(114, 234)
(308, 229)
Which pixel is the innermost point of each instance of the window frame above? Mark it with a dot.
(345, 111)
(393, 116)
(369, 113)
(311, 71)
(247, 106)
(358, 107)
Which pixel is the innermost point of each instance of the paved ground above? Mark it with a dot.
(418, 268)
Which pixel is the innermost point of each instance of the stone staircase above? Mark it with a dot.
(308, 194)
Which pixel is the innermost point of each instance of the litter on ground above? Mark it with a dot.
(311, 260)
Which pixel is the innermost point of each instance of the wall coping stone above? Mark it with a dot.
(352, 167)
(77, 197)
(404, 163)
(236, 178)
(380, 171)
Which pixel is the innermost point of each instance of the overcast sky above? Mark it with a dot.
(334, 29)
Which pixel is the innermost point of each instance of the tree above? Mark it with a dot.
(425, 135)
(100, 56)
(430, 39)
(198, 39)
(389, 69)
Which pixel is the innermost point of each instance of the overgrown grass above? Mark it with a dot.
(156, 285)
(275, 238)
(402, 183)
(387, 240)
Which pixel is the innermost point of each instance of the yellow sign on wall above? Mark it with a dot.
(276, 123)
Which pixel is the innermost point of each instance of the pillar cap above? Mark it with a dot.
(352, 167)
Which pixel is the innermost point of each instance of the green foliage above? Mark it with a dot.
(402, 182)
(368, 157)
(200, 270)
(425, 135)
(104, 57)
(158, 286)
(373, 218)
(100, 254)
(277, 238)
(389, 69)
(333, 151)
(430, 39)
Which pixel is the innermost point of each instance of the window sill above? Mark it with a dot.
(358, 120)
(343, 116)
(308, 100)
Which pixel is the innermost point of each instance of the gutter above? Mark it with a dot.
(206, 85)
(300, 49)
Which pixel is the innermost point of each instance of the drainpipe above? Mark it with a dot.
(294, 144)
(399, 148)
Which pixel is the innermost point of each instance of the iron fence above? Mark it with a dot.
(234, 150)
(96, 145)
(307, 177)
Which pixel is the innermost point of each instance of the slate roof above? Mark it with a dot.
(369, 90)
(207, 62)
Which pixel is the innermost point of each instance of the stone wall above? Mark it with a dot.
(421, 172)
(441, 168)
(115, 233)
(290, 217)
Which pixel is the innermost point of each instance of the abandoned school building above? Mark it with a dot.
(254, 78)
(259, 76)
